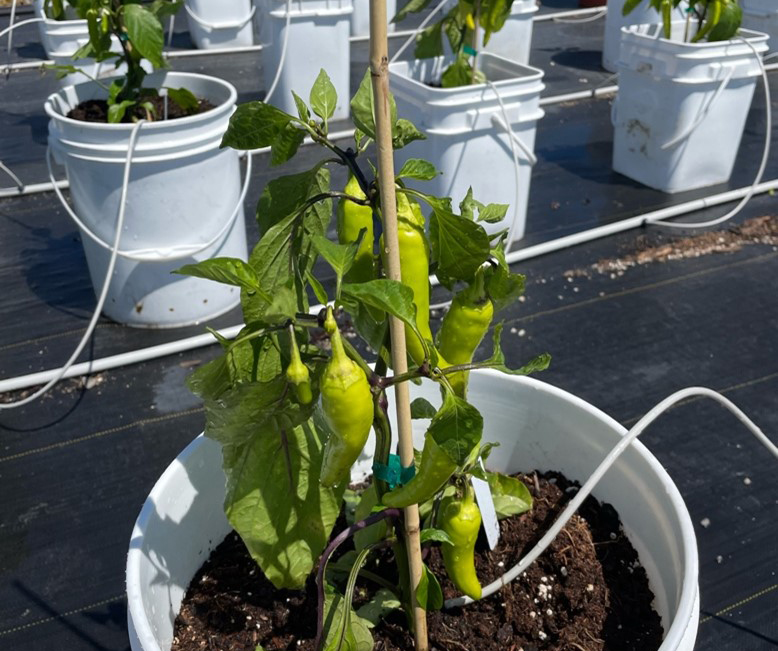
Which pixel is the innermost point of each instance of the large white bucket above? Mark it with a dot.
(317, 38)
(538, 427)
(466, 136)
(184, 193)
(514, 40)
(643, 14)
(222, 24)
(762, 16)
(360, 19)
(681, 107)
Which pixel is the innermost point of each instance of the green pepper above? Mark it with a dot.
(435, 470)
(347, 403)
(460, 518)
(297, 373)
(712, 17)
(463, 328)
(352, 218)
(414, 270)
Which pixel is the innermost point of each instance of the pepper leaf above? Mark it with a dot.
(429, 594)
(363, 108)
(421, 408)
(457, 428)
(492, 212)
(510, 495)
(323, 97)
(256, 124)
(404, 132)
(386, 295)
(357, 635)
(436, 535)
(274, 499)
(145, 33)
(184, 98)
(497, 360)
(429, 42)
(230, 271)
(459, 246)
(383, 602)
(412, 6)
(416, 168)
(502, 285)
(339, 256)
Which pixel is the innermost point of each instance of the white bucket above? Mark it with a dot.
(538, 426)
(466, 139)
(514, 40)
(222, 24)
(360, 19)
(681, 107)
(183, 193)
(762, 16)
(318, 37)
(61, 36)
(643, 14)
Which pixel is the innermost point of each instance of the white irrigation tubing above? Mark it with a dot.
(614, 454)
(10, 38)
(59, 374)
(277, 78)
(600, 13)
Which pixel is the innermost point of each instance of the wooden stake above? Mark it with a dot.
(379, 71)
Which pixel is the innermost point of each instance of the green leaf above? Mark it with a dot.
(274, 499)
(493, 212)
(318, 289)
(386, 295)
(256, 124)
(383, 602)
(510, 495)
(412, 6)
(363, 109)
(357, 635)
(145, 33)
(457, 428)
(286, 144)
(630, 6)
(230, 271)
(184, 98)
(421, 408)
(728, 24)
(324, 97)
(210, 380)
(302, 108)
(165, 8)
(502, 285)
(460, 73)
(116, 112)
(429, 42)
(469, 205)
(374, 533)
(416, 168)
(497, 360)
(435, 535)
(429, 594)
(339, 256)
(285, 195)
(404, 133)
(459, 246)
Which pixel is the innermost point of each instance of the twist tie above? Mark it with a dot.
(393, 473)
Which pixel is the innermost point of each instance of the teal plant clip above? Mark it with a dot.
(469, 50)
(393, 473)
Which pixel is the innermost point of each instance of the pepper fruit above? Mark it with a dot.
(435, 470)
(352, 218)
(460, 518)
(347, 403)
(463, 328)
(414, 270)
(297, 373)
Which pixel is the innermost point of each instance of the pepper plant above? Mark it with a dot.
(292, 401)
(128, 33)
(461, 26)
(717, 20)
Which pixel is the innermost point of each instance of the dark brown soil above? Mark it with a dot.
(96, 110)
(586, 593)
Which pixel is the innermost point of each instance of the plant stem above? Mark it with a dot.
(379, 72)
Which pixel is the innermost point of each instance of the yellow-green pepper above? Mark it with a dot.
(347, 404)
(352, 218)
(297, 373)
(460, 518)
(434, 471)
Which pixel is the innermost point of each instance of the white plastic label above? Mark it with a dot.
(483, 495)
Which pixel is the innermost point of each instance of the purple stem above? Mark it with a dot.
(344, 535)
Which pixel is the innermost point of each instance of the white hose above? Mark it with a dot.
(16, 179)
(609, 460)
(277, 78)
(586, 19)
(106, 283)
(10, 38)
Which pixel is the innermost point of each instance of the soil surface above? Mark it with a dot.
(96, 110)
(587, 592)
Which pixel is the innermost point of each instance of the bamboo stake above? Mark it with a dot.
(379, 72)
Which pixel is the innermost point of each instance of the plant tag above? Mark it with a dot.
(483, 495)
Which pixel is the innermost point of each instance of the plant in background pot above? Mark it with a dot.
(473, 107)
(685, 88)
(185, 195)
(291, 402)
